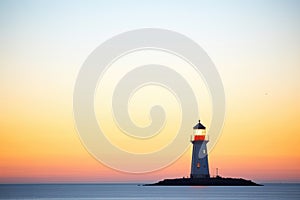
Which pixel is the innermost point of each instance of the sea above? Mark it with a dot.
(136, 191)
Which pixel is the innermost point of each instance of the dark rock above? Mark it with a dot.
(216, 181)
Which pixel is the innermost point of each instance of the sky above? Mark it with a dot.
(255, 46)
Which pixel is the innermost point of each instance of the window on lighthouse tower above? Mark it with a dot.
(199, 131)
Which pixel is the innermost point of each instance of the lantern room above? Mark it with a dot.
(199, 132)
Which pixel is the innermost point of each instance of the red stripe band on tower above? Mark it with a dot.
(199, 137)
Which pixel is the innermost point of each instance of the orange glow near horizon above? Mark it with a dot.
(55, 154)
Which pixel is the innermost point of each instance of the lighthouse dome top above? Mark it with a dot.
(199, 126)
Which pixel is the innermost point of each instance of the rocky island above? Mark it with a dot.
(215, 181)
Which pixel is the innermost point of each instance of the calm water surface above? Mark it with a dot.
(133, 191)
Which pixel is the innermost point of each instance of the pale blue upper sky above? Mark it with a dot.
(244, 38)
(256, 25)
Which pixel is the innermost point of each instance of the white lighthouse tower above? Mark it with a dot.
(199, 167)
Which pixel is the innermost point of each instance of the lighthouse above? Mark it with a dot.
(199, 166)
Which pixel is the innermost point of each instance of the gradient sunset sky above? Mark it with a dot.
(255, 46)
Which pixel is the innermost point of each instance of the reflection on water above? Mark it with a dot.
(134, 191)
